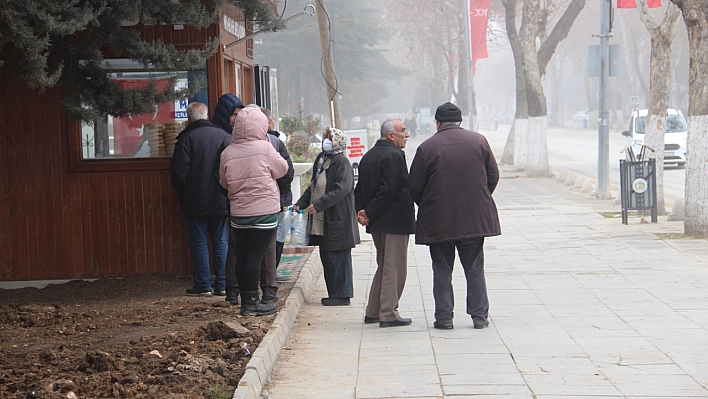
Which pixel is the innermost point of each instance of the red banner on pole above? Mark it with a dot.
(479, 10)
(633, 3)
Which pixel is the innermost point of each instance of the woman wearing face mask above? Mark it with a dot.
(332, 226)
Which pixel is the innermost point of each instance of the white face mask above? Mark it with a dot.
(327, 145)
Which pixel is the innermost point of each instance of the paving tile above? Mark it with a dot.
(571, 384)
(556, 365)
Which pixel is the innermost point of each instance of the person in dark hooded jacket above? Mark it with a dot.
(225, 112)
(284, 183)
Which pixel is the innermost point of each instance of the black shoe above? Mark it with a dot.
(232, 298)
(219, 293)
(193, 292)
(269, 298)
(336, 301)
(480, 322)
(443, 326)
(370, 320)
(402, 321)
(250, 306)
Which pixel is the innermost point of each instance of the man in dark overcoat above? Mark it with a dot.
(385, 207)
(452, 178)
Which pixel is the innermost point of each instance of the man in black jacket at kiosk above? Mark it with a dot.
(385, 207)
(194, 170)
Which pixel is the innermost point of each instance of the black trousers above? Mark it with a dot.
(472, 258)
(249, 247)
(232, 283)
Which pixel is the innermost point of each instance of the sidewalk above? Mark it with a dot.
(581, 307)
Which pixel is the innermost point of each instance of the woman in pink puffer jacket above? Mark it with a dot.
(248, 169)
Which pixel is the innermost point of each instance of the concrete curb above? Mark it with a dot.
(586, 185)
(266, 355)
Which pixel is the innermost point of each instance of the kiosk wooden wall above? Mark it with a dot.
(62, 217)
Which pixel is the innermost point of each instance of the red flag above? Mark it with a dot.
(479, 9)
(633, 3)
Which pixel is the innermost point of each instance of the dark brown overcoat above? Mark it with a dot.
(452, 178)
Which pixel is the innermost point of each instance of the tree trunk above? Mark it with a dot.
(462, 74)
(556, 71)
(520, 136)
(537, 154)
(659, 82)
(695, 16)
(530, 66)
(536, 145)
(521, 107)
(508, 156)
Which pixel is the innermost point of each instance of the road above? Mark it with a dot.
(575, 150)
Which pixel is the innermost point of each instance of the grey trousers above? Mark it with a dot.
(390, 277)
(472, 258)
(268, 283)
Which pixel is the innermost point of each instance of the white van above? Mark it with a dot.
(675, 135)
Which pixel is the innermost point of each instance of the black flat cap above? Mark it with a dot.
(448, 112)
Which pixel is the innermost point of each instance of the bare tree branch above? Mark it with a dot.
(559, 32)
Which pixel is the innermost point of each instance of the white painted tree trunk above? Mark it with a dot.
(696, 221)
(520, 139)
(659, 92)
(695, 16)
(508, 156)
(537, 147)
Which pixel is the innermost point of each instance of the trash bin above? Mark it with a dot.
(585, 123)
(638, 187)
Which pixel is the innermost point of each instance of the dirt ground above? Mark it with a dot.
(138, 337)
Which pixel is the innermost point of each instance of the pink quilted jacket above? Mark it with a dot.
(250, 165)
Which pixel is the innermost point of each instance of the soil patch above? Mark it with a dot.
(136, 337)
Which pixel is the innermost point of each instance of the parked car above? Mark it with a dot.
(675, 135)
(580, 116)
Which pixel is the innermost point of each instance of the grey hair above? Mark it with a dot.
(387, 126)
(443, 124)
(197, 112)
(267, 113)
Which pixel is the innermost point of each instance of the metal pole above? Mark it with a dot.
(323, 21)
(470, 110)
(603, 128)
